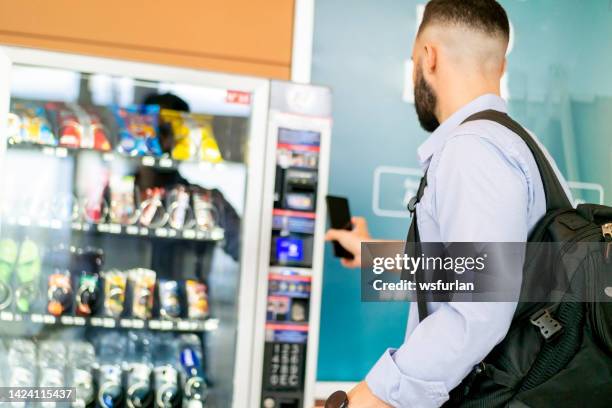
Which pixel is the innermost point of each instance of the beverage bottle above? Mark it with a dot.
(111, 350)
(52, 365)
(167, 393)
(21, 360)
(81, 363)
(139, 369)
(195, 389)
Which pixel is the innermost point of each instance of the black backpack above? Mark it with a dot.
(555, 354)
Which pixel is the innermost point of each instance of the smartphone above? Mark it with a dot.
(340, 218)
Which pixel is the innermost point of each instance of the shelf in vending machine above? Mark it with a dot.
(163, 162)
(191, 234)
(175, 325)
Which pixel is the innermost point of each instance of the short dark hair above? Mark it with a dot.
(485, 15)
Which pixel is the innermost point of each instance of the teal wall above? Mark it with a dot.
(560, 86)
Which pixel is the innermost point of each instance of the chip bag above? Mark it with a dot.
(138, 130)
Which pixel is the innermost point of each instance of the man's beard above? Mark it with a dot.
(425, 101)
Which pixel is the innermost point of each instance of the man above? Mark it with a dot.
(483, 185)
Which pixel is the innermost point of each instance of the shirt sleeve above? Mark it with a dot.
(479, 195)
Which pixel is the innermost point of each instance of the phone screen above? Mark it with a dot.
(340, 218)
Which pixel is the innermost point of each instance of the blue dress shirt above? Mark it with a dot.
(483, 185)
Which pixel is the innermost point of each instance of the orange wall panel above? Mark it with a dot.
(251, 37)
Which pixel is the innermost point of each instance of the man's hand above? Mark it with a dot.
(362, 397)
(351, 240)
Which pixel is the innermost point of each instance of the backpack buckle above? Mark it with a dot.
(549, 327)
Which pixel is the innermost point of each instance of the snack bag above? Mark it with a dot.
(143, 286)
(115, 283)
(138, 130)
(59, 293)
(197, 299)
(208, 150)
(33, 124)
(204, 210)
(169, 301)
(152, 211)
(87, 294)
(94, 134)
(181, 146)
(27, 274)
(67, 124)
(179, 210)
(123, 208)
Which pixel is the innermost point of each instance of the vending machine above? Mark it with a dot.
(292, 239)
(130, 222)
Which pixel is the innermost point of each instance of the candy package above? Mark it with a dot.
(152, 211)
(205, 212)
(138, 130)
(123, 209)
(197, 299)
(67, 124)
(179, 210)
(115, 283)
(59, 293)
(169, 300)
(193, 136)
(29, 123)
(143, 286)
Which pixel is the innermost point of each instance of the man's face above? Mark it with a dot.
(425, 100)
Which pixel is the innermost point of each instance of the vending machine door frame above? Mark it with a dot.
(259, 90)
(322, 125)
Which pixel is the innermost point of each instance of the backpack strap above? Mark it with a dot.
(413, 246)
(556, 198)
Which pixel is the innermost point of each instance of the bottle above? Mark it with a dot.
(111, 348)
(22, 365)
(167, 394)
(52, 365)
(195, 390)
(81, 363)
(139, 369)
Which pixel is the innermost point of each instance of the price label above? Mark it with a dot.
(148, 161)
(108, 322)
(77, 226)
(61, 152)
(97, 322)
(166, 162)
(108, 157)
(49, 151)
(144, 231)
(103, 227)
(36, 318)
(49, 319)
(79, 321)
(126, 323)
(67, 320)
(161, 232)
(6, 316)
(132, 230)
(154, 324)
(183, 325)
(114, 228)
(189, 234)
(138, 324)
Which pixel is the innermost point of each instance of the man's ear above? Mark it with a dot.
(430, 58)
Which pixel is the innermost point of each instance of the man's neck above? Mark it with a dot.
(456, 101)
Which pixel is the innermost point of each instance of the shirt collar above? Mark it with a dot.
(437, 139)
